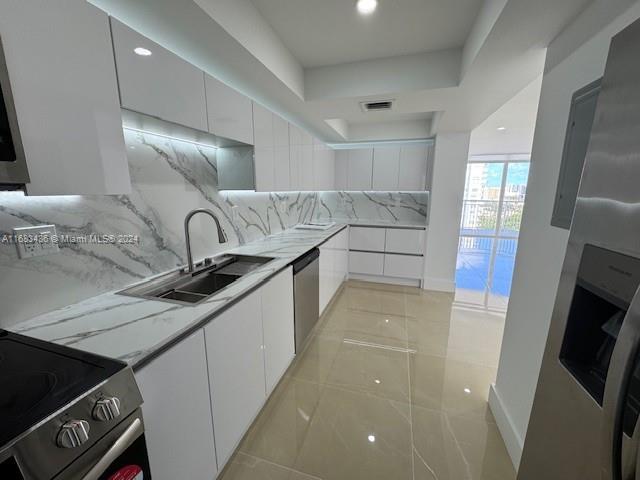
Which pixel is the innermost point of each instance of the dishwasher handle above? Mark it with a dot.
(302, 262)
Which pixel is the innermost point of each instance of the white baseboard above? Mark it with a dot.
(439, 284)
(512, 439)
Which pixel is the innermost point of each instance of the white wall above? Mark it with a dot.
(450, 166)
(542, 247)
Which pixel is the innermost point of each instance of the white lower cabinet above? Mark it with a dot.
(366, 263)
(366, 238)
(278, 327)
(236, 371)
(395, 253)
(399, 240)
(334, 263)
(326, 267)
(403, 266)
(177, 412)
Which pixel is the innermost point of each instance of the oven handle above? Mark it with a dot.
(123, 442)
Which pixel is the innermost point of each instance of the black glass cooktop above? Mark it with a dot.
(38, 378)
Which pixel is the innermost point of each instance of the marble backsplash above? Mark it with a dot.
(169, 178)
(387, 207)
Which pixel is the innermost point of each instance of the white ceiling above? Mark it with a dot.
(330, 32)
(518, 117)
(261, 47)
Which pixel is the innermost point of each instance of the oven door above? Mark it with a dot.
(120, 455)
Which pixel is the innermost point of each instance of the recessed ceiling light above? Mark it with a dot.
(143, 52)
(371, 438)
(467, 391)
(366, 7)
(502, 129)
(377, 381)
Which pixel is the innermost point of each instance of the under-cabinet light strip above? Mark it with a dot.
(169, 137)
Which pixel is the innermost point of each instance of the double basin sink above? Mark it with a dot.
(190, 288)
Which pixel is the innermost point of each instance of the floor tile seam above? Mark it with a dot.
(349, 389)
(413, 463)
(463, 362)
(335, 337)
(477, 418)
(271, 462)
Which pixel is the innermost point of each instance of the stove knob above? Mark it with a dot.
(73, 434)
(106, 409)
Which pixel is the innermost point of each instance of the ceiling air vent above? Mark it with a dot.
(377, 106)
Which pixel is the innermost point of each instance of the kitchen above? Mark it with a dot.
(207, 273)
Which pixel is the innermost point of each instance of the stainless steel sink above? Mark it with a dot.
(211, 276)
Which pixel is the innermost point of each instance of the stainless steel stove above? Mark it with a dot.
(66, 414)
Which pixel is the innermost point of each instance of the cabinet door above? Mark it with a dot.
(360, 169)
(413, 168)
(264, 148)
(236, 372)
(306, 173)
(177, 412)
(342, 256)
(230, 113)
(342, 170)
(295, 157)
(330, 157)
(323, 166)
(282, 174)
(366, 238)
(386, 165)
(326, 266)
(400, 240)
(403, 266)
(366, 263)
(161, 84)
(278, 326)
(60, 63)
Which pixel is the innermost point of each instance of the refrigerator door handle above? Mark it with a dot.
(615, 395)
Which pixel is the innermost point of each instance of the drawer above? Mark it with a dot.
(405, 241)
(366, 263)
(403, 266)
(371, 239)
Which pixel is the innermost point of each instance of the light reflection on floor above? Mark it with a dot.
(392, 386)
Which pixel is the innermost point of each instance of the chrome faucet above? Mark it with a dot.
(222, 237)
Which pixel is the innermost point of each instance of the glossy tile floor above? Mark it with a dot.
(392, 386)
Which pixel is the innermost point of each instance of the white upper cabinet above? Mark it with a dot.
(413, 167)
(386, 165)
(305, 171)
(360, 169)
(323, 166)
(162, 84)
(295, 157)
(230, 113)
(264, 148)
(281, 154)
(62, 74)
(341, 169)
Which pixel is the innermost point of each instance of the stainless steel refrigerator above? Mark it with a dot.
(588, 395)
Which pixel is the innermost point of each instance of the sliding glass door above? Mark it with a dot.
(494, 196)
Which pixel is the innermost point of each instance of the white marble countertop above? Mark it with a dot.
(135, 329)
(382, 223)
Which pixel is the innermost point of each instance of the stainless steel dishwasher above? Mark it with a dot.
(306, 286)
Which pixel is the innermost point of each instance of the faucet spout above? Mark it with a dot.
(222, 237)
